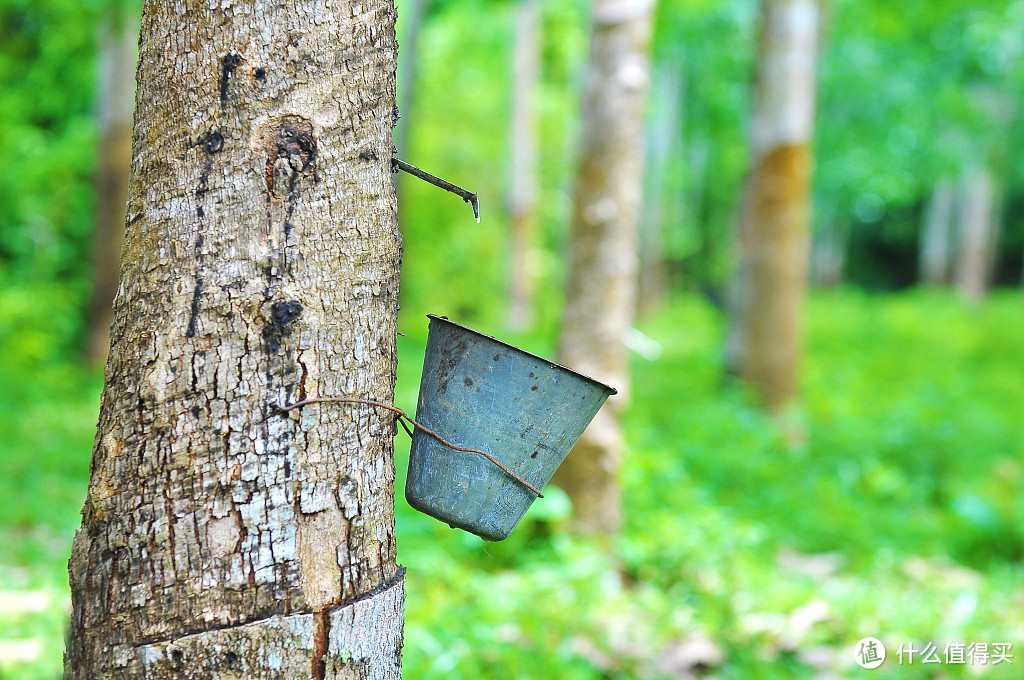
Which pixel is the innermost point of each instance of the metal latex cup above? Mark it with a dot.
(479, 392)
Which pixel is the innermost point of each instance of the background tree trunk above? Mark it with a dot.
(977, 229)
(522, 198)
(221, 537)
(412, 13)
(828, 250)
(115, 103)
(937, 235)
(770, 281)
(601, 281)
(662, 145)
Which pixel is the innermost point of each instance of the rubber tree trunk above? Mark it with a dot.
(522, 198)
(115, 103)
(937, 234)
(977, 229)
(221, 537)
(663, 143)
(601, 279)
(770, 278)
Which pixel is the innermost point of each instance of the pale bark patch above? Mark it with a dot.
(785, 114)
(318, 538)
(365, 637)
(223, 536)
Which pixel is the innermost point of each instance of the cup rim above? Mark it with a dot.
(554, 364)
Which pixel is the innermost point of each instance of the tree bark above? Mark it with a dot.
(770, 279)
(937, 235)
(114, 106)
(220, 536)
(601, 279)
(663, 143)
(523, 167)
(977, 228)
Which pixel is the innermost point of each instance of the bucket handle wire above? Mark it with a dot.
(402, 417)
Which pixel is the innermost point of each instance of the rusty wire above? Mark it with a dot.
(402, 417)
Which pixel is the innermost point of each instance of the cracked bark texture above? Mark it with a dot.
(770, 281)
(601, 280)
(221, 538)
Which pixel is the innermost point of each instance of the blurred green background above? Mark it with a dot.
(745, 553)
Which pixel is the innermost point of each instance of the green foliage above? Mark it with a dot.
(897, 515)
(907, 94)
(46, 137)
(691, 41)
(463, 73)
(48, 406)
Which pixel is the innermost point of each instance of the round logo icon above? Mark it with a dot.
(870, 652)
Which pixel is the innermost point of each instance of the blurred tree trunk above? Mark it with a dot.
(662, 145)
(221, 537)
(115, 103)
(828, 250)
(707, 256)
(523, 168)
(977, 229)
(412, 12)
(770, 280)
(601, 279)
(937, 234)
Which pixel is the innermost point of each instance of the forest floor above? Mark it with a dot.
(747, 552)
